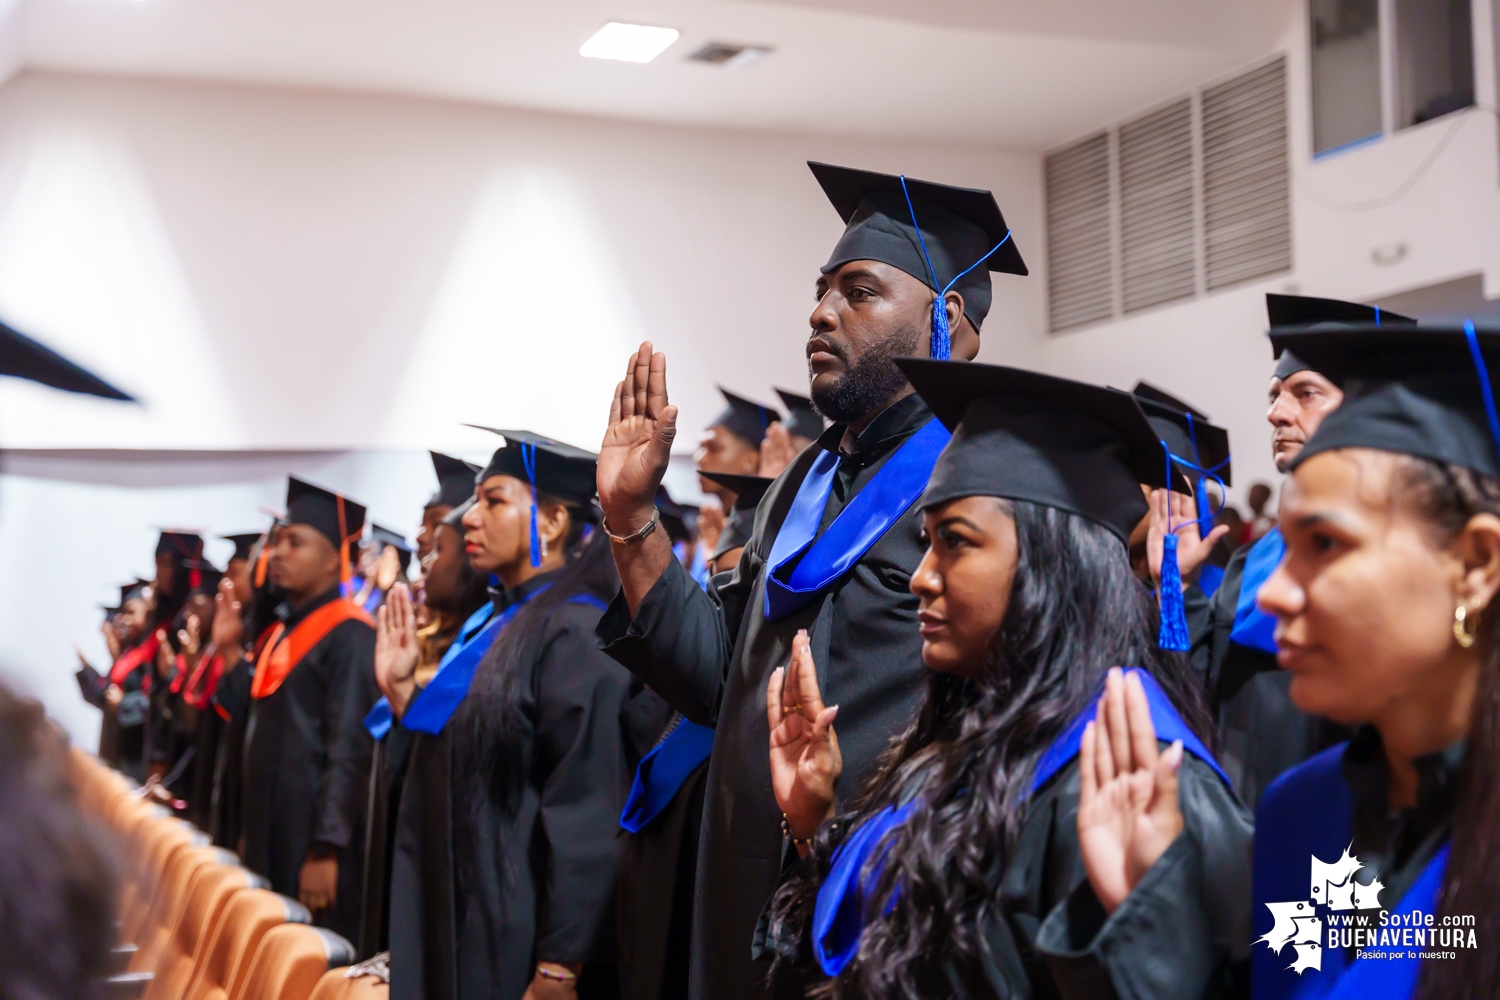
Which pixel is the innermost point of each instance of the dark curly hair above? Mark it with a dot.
(1075, 611)
(57, 873)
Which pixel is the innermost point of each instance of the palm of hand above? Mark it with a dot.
(803, 769)
(638, 444)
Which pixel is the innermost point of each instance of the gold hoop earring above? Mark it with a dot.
(1464, 636)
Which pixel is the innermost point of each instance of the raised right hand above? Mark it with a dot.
(1168, 507)
(397, 648)
(805, 758)
(638, 443)
(228, 631)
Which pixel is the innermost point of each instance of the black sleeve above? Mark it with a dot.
(681, 639)
(346, 770)
(1184, 932)
(580, 751)
(1212, 645)
(232, 696)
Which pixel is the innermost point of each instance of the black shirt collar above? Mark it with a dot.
(896, 422)
(1368, 775)
(503, 598)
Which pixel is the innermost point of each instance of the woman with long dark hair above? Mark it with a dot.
(505, 843)
(1385, 607)
(957, 870)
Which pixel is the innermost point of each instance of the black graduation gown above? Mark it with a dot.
(231, 700)
(127, 721)
(387, 774)
(1183, 934)
(307, 766)
(658, 863)
(208, 731)
(542, 886)
(710, 655)
(1261, 733)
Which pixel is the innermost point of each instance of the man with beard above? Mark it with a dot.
(834, 544)
(1261, 733)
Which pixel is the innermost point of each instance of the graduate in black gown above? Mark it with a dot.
(503, 877)
(452, 593)
(740, 525)
(1261, 733)
(121, 726)
(709, 654)
(307, 754)
(243, 622)
(455, 487)
(1386, 623)
(969, 864)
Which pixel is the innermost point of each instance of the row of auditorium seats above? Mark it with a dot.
(196, 925)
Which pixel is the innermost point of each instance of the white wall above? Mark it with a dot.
(274, 270)
(289, 269)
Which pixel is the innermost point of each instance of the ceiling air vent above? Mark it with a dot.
(730, 55)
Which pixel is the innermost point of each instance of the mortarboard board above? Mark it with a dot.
(385, 536)
(944, 236)
(179, 542)
(455, 480)
(243, 543)
(23, 357)
(139, 590)
(802, 419)
(1021, 435)
(1421, 391)
(1309, 311)
(335, 517)
(745, 417)
(747, 490)
(553, 468)
(1186, 430)
(455, 517)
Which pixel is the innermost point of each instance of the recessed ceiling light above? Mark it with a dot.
(637, 43)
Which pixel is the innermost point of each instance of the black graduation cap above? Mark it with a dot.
(1309, 311)
(745, 417)
(385, 536)
(180, 542)
(747, 490)
(559, 470)
(1415, 391)
(802, 420)
(243, 543)
(23, 357)
(1022, 435)
(202, 576)
(455, 517)
(957, 226)
(675, 517)
(455, 480)
(138, 590)
(1186, 430)
(335, 517)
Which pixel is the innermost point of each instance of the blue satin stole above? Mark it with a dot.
(662, 772)
(792, 583)
(1309, 812)
(1252, 626)
(380, 719)
(1209, 578)
(839, 914)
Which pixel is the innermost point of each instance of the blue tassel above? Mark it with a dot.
(1174, 629)
(942, 343)
(536, 541)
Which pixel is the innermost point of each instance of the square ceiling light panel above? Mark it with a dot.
(637, 43)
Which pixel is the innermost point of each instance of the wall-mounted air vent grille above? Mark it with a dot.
(1156, 208)
(1187, 199)
(1078, 230)
(1246, 204)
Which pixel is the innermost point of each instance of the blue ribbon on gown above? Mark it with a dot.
(1309, 812)
(380, 719)
(1252, 626)
(872, 511)
(839, 914)
(662, 771)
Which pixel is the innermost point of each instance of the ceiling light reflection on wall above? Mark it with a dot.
(637, 43)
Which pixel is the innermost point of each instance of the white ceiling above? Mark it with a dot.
(1024, 74)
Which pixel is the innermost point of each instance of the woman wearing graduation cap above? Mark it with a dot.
(1386, 622)
(505, 845)
(958, 868)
